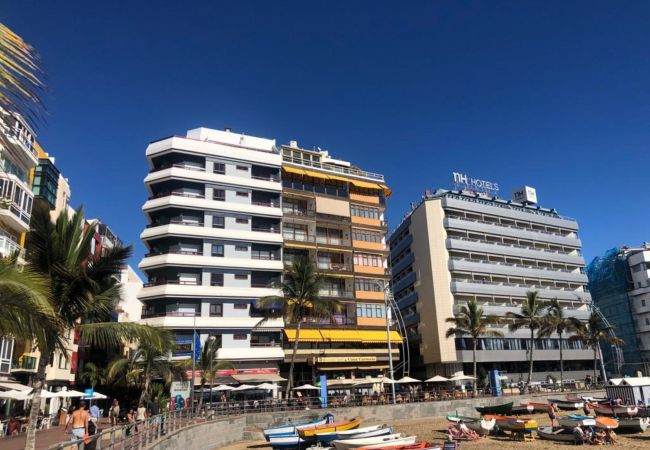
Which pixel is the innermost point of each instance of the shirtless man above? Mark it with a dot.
(79, 422)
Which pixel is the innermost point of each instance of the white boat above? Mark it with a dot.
(372, 442)
(556, 434)
(286, 442)
(617, 411)
(633, 424)
(573, 420)
(365, 432)
(291, 428)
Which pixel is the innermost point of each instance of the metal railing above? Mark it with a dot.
(178, 194)
(333, 168)
(514, 227)
(523, 266)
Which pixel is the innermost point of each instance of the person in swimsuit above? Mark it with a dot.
(552, 411)
(79, 422)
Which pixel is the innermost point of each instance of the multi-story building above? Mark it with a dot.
(214, 244)
(49, 185)
(333, 214)
(18, 158)
(456, 246)
(129, 308)
(619, 282)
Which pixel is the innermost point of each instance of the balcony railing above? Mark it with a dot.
(179, 166)
(337, 293)
(333, 168)
(149, 315)
(22, 137)
(523, 266)
(266, 256)
(334, 266)
(266, 229)
(519, 285)
(17, 197)
(269, 203)
(513, 227)
(165, 282)
(176, 193)
(275, 178)
(25, 363)
(298, 237)
(9, 247)
(271, 284)
(174, 252)
(333, 241)
(188, 223)
(523, 247)
(298, 212)
(265, 344)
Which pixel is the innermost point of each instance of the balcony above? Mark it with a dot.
(9, 247)
(299, 237)
(24, 364)
(16, 200)
(266, 229)
(334, 168)
(274, 178)
(335, 293)
(518, 270)
(177, 194)
(459, 286)
(166, 282)
(189, 223)
(178, 166)
(299, 213)
(150, 314)
(336, 267)
(268, 203)
(265, 255)
(340, 242)
(174, 252)
(476, 245)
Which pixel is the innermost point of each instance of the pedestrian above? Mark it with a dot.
(140, 416)
(552, 412)
(79, 423)
(94, 414)
(114, 413)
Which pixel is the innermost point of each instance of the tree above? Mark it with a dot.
(298, 303)
(93, 374)
(471, 321)
(592, 332)
(142, 366)
(556, 322)
(531, 317)
(83, 291)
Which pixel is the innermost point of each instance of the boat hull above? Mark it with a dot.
(616, 411)
(481, 426)
(558, 434)
(311, 432)
(495, 409)
(288, 442)
(633, 424)
(374, 442)
(362, 433)
(290, 429)
(567, 405)
(573, 420)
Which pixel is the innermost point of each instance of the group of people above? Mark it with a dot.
(460, 431)
(599, 436)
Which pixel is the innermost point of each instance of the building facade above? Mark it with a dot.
(455, 246)
(333, 214)
(214, 244)
(619, 282)
(50, 186)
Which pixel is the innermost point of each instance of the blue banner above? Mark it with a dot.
(323, 391)
(197, 346)
(495, 383)
(89, 392)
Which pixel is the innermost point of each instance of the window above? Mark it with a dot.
(366, 236)
(216, 279)
(241, 248)
(240, 337)
(217, 249)
(240, 276)
(642, 302)
(363, 284)
(241, 306)
(219, 168)
(371, 310)
(647, 321)
(63, 363)
(242, 194)
(219, 195)
(244, 168)
(365, 212)
(216, 310)
(241, 220)
(218, 222)
(364, 259)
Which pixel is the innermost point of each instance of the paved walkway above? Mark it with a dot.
(44, 438)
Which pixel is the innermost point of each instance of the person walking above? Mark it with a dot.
(79, 423)
(114, 413)
(140, 416)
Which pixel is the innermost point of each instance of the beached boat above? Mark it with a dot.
(374, 442)
(616, 411)
(567, 405)
(290, 428)
(365, 432)
(633, 424)
(573, 420)
(606, 422)
(499, 418)
(519, 410)
(537, 407)
(518, 425)
(495, 409)
(556, 434)
(416, 446)
(334, 427)
(644, 411)
(481, 426)
(283, 442)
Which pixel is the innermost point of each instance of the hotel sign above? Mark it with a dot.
(345, 359)
(475, 184)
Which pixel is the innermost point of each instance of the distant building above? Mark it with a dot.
(50, 186)
(130, 308)
(619, 282)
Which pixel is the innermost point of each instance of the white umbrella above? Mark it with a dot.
(14, 395)
(46, 394)
(436, 379)
(306, 387)
(461, 377)
(222, 387)
(265, 386)
(387, 380)
(407, 380)
(70, 393)
(244, 387)
(96, 396)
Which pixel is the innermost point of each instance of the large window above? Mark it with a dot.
(365, 259)
(216, 279)
(218, 221)
(219, 195)
(371, 310)
(294, 232)
(364, 284)
(216, 310)
(217, 250)
(219, 168)
(364, 211)
(366, 236)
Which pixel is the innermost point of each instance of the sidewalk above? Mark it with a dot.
(44, 438)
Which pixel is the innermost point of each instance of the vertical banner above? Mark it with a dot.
(323, 391)
(197, 346)
(495, 383)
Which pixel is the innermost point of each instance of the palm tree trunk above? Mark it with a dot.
(532, 346)
(474, 364)
(30, 439)
(145, 390)
(595, 364)
(201, 395)
(561, 365)
(293, 358)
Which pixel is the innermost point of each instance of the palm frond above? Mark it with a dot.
(115, 334)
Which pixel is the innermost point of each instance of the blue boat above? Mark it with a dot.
(290, 429)
(292, 441)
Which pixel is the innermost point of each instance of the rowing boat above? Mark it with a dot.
(417, 445)
(282, 442)
(633, 424)
(616, 411)
(374, 442)
(334, 427)
(290, 428)
(567, 405)
(495, 409)
(518, 425)
(556, 434)
(365, 432)
(482, 426)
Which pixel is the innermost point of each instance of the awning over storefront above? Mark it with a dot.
(311, 173)
(261, 377)
(360, 336)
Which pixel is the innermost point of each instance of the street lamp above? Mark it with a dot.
(389, 316)
(211, 339)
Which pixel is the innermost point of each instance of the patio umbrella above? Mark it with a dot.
(407, 380)
(222, 387)
(306, 387)
(243, 387)
(69, 393)
(436, 379)
(266, 386)
(14, 395)
(387, 380)
(461, 377)
(96, 396)
(46, 394)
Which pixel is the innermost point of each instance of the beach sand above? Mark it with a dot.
(435, 430)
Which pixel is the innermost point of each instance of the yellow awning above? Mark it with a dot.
(387, 190)
(341, 335)
(293, 170)
(379, 336)
(313, 174)
(365, 184)
(336, 177)
(289, 244)
(305, 335)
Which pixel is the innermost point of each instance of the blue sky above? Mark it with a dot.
(550, 94)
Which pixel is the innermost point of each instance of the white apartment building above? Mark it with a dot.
(639, 263)
(461, 245)
(214, 243)
(129, 308)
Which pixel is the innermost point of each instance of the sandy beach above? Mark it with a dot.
(434, 430)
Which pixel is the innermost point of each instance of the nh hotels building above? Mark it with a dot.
(469, 244)
(226, 212)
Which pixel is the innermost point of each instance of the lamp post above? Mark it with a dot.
(211, 339)
(390, 348)
(193, 365)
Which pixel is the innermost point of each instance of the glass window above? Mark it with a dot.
(218, 222)
(219, 195)
(241, 306)
(240, 276)
(241, 220)
(219, 168)
(244, 168)
(216, 279)
(240, 337)
(216, 310)
(242, 194)
(241, 248)
(217, 249)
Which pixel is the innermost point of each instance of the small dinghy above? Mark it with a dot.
(495, 409)
(482, 426)
(332, 428)
(567, 405)
(374, 442)
(574, 420)
(290, 428)
(616, 411)
(633, 424)
(294, 441)
(416, 446)
(365, 432)
(556, 434)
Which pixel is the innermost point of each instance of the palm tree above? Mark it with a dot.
(142, 366)
(592, 332)
(93, 374)
(83, 291)
(299, 302)
(531, 317)
(556, 322)
(470, 321)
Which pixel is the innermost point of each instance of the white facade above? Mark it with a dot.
(214, 242)
(130, 308)
(639, 263)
